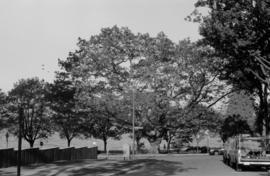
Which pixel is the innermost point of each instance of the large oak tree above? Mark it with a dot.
(160, 73)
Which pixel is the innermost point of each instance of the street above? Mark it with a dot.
(147, 165)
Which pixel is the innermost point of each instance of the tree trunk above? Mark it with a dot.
(197, 146)
(260, 128)
(169, 144)
(265, 105)
(105, 145)
(31, 143)
(138, 144)
(263, 110)
(68, 142)
(7, 136)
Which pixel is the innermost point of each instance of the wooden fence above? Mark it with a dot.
(8, 157)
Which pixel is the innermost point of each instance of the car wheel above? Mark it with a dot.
(227, 161)
(238, 167)
(230, 162)
(224, 160)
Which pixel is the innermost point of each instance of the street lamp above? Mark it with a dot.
(133, 111)
(19, 141)
(133, 124)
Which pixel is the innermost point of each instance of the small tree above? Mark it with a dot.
(102, 121)
(234, 125)
(67, 115)
(29, 95)
(200, 120)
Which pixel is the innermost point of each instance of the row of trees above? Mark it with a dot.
(47, 108)
(173, 87)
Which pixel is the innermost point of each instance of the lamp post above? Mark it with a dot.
(133, 111)
(19, 142)
(133, 124)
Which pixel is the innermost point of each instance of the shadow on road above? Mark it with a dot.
(6, 173)
(141, 167)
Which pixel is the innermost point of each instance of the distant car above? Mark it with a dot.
(194, 149)
(216, 151)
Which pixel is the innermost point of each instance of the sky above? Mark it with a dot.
(34, 34)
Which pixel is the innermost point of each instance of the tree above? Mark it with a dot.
(183, 137)
(104, 60)
(29, 96)
(175, 77)
(3, 106)
(234, 125)
(102, 120)
(67, 115)
(201, 120)
(162, 73)
(238, 31)
(101, 68)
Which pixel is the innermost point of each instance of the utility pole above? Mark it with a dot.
(133, 124)
(133, 112)
(19, 142)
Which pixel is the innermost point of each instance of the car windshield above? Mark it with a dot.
(254, 146)
(251, 144)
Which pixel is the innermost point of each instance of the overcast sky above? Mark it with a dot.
(38, 32)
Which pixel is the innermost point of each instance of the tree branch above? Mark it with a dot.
(220, 98)
(257, 76)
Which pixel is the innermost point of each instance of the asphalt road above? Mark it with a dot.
(150, 165)
(210, 166)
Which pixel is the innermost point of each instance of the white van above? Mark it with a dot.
(247, 151)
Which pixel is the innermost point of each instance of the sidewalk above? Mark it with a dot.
(120, 156)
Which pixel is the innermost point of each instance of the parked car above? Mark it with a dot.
(203, 149)
(245, 151)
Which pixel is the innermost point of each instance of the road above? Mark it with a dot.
(149, 165)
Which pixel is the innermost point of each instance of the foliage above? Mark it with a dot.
(177, 82)
(162, 75)
(239, 33)
(196, 122)
(102, 121)
(100, 70)
(103, 60)
(3, 106)
(67, 116)
(203, 119)
(234, 125)
(29, 95)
